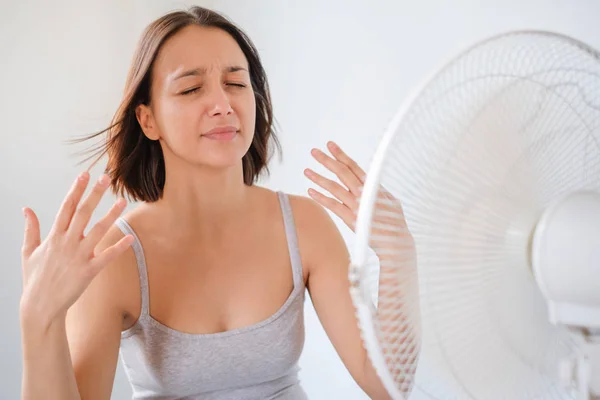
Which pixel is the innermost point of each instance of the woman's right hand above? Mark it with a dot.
(58, 270)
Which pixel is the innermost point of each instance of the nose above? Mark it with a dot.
(218, 102)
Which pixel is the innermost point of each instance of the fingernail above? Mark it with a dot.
(308, 172)
(24, 210)
(332, 145)
(83, 176)
(103, 180)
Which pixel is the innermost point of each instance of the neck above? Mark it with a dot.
(203, 197)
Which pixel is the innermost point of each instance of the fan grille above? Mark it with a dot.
(499, 133)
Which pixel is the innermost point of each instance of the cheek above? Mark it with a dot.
(247, 115)
(178, 120)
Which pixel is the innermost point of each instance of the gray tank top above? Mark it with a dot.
(259, 361)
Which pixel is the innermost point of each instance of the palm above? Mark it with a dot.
(58, 270)
(345, 202)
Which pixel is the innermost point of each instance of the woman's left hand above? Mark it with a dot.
(347, 194)
(345, 203)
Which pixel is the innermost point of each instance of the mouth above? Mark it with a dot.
(222, 133)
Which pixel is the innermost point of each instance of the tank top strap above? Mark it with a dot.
(141, 262)
(292, 239)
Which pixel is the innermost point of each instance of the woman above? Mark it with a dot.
(201, 287)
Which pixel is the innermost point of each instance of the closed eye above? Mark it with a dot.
(195, 89)
(190, 91)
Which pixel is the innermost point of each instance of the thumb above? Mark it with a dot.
(32, 237)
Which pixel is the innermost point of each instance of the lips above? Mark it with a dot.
(221, 133)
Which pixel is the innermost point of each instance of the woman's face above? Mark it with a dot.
(202, 106)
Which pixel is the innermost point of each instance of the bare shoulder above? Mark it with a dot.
(308, 214)
(116, 288)
(318, 236)
(119, 272)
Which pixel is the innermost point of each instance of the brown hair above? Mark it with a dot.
(136, 165)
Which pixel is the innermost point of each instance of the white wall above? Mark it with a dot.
(338, 70)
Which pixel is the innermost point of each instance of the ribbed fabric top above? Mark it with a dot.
(259, 361)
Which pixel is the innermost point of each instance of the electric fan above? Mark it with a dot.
(476, 267)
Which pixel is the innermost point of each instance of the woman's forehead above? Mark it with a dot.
(199, 48)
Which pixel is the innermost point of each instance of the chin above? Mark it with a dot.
(216, 154)
(222, 158)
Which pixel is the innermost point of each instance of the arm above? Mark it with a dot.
(393, 244)
(76, 356)
(327, 258)
(94, 323)
(46, 360)
(56, 272)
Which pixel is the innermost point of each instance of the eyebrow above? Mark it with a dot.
(202, 71)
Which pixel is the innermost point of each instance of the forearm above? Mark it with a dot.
(372, 385)
(47, 369)
(398, 307)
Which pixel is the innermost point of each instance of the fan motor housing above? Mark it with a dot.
(565, 259)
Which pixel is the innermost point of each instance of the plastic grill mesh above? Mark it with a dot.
(503, 130)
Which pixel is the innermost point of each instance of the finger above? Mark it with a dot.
(69, 205)
(110, 254)
(86, 208)
(341, 170)
(343, 212)
(32, 237)
(341, 156)
(101, 227)
(334, 188)
(384, 195)
(388, 205)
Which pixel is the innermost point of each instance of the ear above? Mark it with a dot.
(146, 120)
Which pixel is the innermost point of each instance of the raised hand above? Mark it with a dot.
(346, 197)
(352, 177)
(58, 270)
